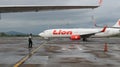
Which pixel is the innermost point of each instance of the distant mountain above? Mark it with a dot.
(14, 33)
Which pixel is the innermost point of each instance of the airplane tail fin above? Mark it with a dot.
(117, 24)
(100, 2)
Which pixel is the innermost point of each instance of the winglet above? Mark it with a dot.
(104, 29)
(100, 2)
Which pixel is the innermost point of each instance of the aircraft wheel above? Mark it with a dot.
(84, 39)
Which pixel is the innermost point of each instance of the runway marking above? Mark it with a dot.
(27, 56)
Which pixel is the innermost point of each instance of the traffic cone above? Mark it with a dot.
(105, 47)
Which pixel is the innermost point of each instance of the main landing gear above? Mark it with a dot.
(84, 39)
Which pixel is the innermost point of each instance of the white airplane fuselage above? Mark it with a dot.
(78, 31)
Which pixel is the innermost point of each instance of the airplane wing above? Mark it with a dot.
(90, 34)
(30, 8)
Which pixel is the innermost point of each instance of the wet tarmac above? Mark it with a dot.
(60, 52)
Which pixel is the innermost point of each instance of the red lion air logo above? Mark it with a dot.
(61, 32)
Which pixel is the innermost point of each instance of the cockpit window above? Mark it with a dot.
(43, 31)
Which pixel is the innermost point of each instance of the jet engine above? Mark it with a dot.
(75, 37)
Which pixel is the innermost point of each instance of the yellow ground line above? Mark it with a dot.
(26, 57)
(21, 61)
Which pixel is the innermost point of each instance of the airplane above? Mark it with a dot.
(72, 33)
(81, 33)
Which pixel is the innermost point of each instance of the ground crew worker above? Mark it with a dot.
(30, 41)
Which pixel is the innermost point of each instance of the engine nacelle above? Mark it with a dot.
(75, 37)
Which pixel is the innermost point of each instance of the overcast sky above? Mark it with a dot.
(35, 22)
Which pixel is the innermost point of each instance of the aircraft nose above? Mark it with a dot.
(41, 34)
